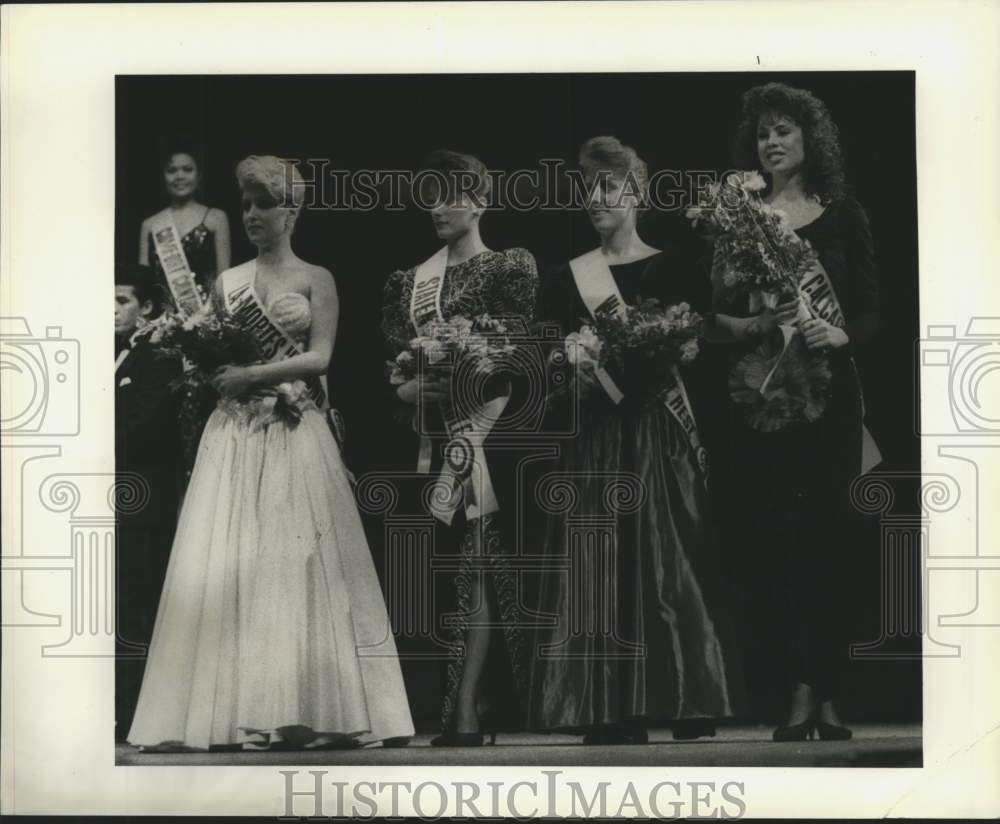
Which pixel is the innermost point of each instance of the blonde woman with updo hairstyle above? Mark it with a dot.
(271, 630)
(630, 634)
(486, 674)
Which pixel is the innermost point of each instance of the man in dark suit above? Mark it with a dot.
(147, 443)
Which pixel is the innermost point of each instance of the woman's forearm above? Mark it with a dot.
(297, 367)
(729, 327)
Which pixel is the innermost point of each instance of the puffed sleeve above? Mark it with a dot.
(520, 284)
(396, 326)
(863, 297)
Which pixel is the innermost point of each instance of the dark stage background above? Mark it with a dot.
(675, 121)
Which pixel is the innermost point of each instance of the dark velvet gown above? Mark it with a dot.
(630, 605)
(501, 284)
(196, 405)
(790, 522)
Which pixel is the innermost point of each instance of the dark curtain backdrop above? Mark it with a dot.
(675, 121)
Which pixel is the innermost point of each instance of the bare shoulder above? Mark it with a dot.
(317, 273)
(320, 279)
(216, 218)
(147, 224)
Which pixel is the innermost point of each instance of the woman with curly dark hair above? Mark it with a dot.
(792, 483)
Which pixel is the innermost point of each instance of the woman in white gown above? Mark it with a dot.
(272, 628)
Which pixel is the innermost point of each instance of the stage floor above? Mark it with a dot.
(873, 745)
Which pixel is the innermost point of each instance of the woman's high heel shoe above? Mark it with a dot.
(795, 732)
(831, 732)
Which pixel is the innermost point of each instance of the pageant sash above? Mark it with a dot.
(599, 292)
(821, 302)
(276, 344)
(175, 266)
(465, 476)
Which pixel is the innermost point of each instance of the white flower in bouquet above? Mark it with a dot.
(435, 351)
(401, 368)
(689, 350)
(753, 182)
(584, 346)
(203, 315)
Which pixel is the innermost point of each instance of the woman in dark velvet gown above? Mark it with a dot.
(485, 679)
(790, 487)
(204, 233)
(630, 597)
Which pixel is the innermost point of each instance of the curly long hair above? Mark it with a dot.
(823, 169)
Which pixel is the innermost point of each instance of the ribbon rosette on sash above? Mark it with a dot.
(465, 477)
(674, 333)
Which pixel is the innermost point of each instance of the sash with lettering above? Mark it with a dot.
(276, 344)
(465, 476)
(599, 292)
(175, 266)
(821, 302)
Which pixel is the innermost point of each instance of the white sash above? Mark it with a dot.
(599, 292)
(821, 301)
(173, 261)
(465, 475)
(276, 344)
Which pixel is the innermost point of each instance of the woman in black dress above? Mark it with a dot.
(629, 597)
(795, 517)
(204, 230)
(204, 234)
(466, 278)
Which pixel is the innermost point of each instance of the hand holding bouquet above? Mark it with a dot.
(209, 342)
(472, 348)
(646, 343)
(758, 255)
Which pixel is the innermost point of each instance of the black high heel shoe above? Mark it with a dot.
(688, 729)
(795, 732)
(831, 732)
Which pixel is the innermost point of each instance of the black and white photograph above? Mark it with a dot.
(517, 409)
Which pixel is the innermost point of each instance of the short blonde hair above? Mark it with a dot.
(275, 174)
(610, 154)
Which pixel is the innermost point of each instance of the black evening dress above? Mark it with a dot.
(501, 284)
(790, 521)
(196, 405)
(630, 607)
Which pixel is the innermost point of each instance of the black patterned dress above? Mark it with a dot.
(196, 405)
(501, 284)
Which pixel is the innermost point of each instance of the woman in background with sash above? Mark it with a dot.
(794, 523)
(199, 236)
(272, 630)
(634, 463)
(466, 278)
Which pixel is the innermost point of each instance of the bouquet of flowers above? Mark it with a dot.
(759, 256)
(646, 342)
(472, 347)
(208, 341)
